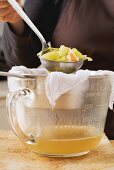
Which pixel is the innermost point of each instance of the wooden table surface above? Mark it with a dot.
(112, 142)
(14, 156)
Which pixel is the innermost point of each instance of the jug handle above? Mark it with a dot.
(11, 101)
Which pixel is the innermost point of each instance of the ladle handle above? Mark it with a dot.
(19, 10)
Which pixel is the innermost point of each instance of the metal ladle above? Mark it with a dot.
(66, 67)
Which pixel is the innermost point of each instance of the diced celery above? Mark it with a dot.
(88, 58)
(63, 51)
(54, 55)
(62, 59)
(61, 54)
(78, 54)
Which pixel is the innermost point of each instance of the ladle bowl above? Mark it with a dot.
(65, 67)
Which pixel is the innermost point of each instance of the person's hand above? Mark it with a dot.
(7, 13)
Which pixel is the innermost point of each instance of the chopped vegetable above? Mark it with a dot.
(53, 55)
(64, 54)
(63, 51)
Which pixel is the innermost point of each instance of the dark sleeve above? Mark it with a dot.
(23, 50)
(18, 50)
(109, 126)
